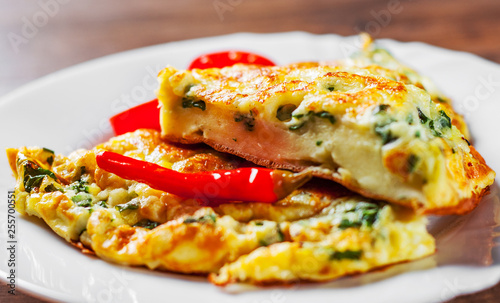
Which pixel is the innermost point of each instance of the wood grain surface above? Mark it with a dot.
(67, 32)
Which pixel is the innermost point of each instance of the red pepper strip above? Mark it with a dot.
(248, 184)
(228, 58)
(146, 115)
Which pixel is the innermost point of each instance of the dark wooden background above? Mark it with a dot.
(76, 31)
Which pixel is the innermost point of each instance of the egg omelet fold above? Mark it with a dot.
(368, 123)
(319, 232)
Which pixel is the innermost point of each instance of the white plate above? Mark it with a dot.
(69, 109)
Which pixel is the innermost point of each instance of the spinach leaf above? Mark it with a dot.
(189, 103)
(82, 200)
(380, 109)
(412, 161)
(367, 214)
(384, 132)
(33, 175)
(326, 115)
(128, 206)
(423, 118)
(284, 112)
(348, 254)
(80, 186)
(211, 218)
(146, 224)
(247, 119)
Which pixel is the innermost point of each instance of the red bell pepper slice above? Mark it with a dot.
(247, 184)
(228, 58)
(146, 115)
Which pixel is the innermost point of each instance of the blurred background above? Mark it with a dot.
(42, 36)
(39, 37)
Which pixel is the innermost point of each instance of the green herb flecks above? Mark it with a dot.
(281, 236)
(382, 127)
(326, 115)
(50, 159)
(383, 131)
(82, 200)
(369, 213)
(274, 237)
(347, 254)
(423, 118)
(284, 112)
(412, 162)
(132, 205)
(189, 103)
(444, 121)
(440, 125)
(263, 242)
(48, 150)
(297, 126)
(33, 175)
(382, 108)
(441, 100)
(210, 218)
(434, 131)
(146, 224)
(102, 204)
(366, 214)
(188, 88)
(319, 142)
(238, 117)
(247, 119)
(51, 188)
(80, 186)
(346, 223)
(83, 230)
(409, 119)
(304, 118)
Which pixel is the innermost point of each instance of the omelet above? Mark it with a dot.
(380, 130)
(381, 62)
(321, 231)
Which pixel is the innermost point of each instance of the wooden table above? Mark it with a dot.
(76, 31)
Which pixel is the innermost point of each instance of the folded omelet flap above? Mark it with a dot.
(377, 133)
(129, 223)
